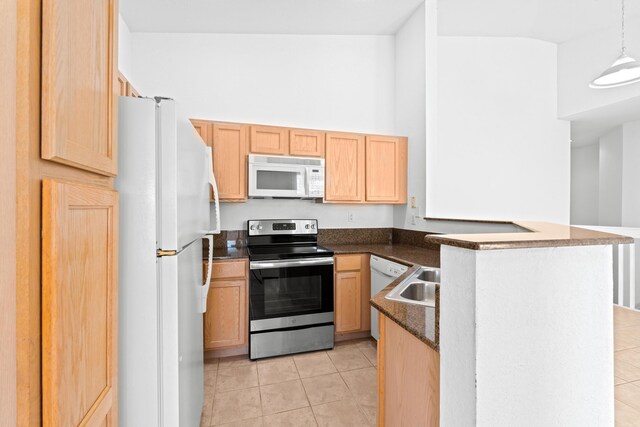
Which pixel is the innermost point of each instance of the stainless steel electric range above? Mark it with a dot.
(290, 288)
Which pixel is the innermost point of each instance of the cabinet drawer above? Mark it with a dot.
(228, 269)
(348, 262)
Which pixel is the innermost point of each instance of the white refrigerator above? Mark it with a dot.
(163, 180)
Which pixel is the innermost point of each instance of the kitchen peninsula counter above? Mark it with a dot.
(419, 320)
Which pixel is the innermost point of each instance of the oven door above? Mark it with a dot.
(290, 293)
(277, 181)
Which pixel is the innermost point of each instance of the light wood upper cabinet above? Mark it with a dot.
(204, 129)
(131, 91)
(122, 85)
(225, 322)
(79, 83)
(269, 140)
(79, 304)
(386, 169)
(230, 160)
(344, 167)
(306, 143)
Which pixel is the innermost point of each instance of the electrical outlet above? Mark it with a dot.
(413, 202)
(350, 217)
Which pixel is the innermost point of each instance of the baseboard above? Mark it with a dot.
(352, 336)
(226, 352)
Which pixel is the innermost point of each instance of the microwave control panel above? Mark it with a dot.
(316, 182)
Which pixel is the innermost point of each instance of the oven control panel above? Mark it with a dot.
(282, 226)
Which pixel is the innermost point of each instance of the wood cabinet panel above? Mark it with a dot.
(225, 322)
(230, 160)
(229, 269)
(79, 83)
(131, 91)
(386, 169)
(348, 262)
(122, 85)
(79, 304)
(269, 140)
(348, 301)
(408, 378)
(344, 167)
(306, 143)
(204, 129)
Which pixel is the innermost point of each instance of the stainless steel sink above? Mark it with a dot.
(432, 275)
(419, 288)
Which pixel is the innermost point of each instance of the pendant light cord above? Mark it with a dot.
(623, 46)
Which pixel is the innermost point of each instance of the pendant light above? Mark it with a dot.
(624, 70)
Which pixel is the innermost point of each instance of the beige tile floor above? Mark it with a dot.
(324, 388)
(338, 387)
(627, 366)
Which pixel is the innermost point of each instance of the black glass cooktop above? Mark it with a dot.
(264, 253)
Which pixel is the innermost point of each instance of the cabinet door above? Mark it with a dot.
(79, 83)
(386, 166)
(344, 167)
(230, 161)
(306, 143)
(79, 305)
(269, 140)
(225, 320)
(203, 128)
(122, 85)
(348, 301)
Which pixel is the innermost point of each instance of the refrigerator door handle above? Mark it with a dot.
(214, 185)
(205, 287)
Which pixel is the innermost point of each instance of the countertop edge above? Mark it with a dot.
(542, 235)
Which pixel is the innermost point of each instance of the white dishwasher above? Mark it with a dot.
(383, 272)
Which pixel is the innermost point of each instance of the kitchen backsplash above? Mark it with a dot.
(336, 236)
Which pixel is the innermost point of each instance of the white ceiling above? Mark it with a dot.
(268, 16)
(552, 20)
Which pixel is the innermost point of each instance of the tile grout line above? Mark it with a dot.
(313, 414)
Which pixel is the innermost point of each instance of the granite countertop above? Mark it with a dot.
(420, 321)
(533, 235)
(228, 253)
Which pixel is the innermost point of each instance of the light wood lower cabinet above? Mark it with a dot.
(408, 378)
(79, 304)
(225, 321)
(352, 293)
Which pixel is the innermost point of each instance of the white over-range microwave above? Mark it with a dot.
(286, 177)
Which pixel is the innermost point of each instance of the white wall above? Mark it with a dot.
(506, 361)
(326, 82)
(582, 59)
(410, 112)
(584, 184)
(500, 153)
(125, 56)
(610, 180)
(631, 174)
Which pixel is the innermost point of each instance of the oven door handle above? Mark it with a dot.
(262, 265)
